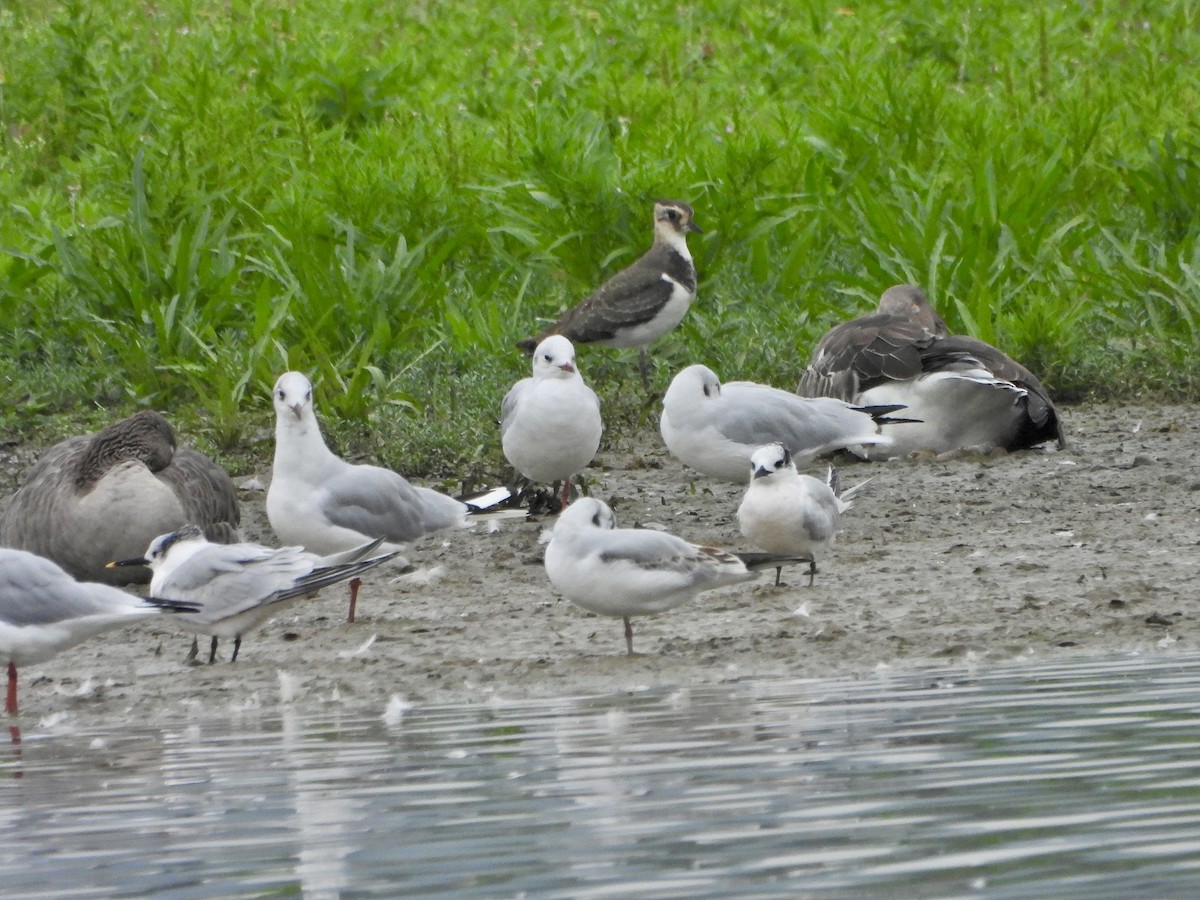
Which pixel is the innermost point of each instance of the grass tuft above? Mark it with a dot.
(198, 196)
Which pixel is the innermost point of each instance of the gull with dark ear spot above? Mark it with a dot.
(235, 588)
(327, 505)
(99, 497)
(43, 610)
(961, 392)
(640, 303)
(786, 512)
(627, 572)
(714, 428)
(550, 423)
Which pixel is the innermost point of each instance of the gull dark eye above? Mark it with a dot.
(279, 393)
(596, 520)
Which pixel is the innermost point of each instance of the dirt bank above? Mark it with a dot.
(1089, 550)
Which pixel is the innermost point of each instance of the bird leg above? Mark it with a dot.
(778, 572)
(237, 645)
(10, 704)
(566, 492)
(193, 653)
(644, 368)
(212, 651)
(812, 571)
(355, 584)
(628, 636)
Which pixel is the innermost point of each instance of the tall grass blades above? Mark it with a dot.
(199, 194)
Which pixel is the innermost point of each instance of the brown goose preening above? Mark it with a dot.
(95, 498)
(962, 392)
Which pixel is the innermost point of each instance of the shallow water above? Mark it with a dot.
(1014, 781)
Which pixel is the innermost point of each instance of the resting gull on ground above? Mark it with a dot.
(327, 505)
(714, 427)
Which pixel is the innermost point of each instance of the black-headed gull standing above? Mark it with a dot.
(550, 423)
(43, 610)
(961, 392)
(627, 572)
(714, 427)
(238, 587)
(784, 511)
(129, 473)
(327, 505)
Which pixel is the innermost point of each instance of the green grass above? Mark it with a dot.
(199, 195)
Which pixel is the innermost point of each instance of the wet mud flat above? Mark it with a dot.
(1040, 554)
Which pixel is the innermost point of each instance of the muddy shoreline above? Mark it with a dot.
(1041, 554)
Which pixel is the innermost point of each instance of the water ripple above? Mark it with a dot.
(1014, 781)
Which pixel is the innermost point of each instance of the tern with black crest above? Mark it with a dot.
(238, 587)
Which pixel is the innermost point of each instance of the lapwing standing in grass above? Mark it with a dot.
(643, 302)
(963, 393)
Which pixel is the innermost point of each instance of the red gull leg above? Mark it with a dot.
(355, 584)
(566, 493)
(10, 705)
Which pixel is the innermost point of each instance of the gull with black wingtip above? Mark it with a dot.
(43, 610)
(327, 505)
(714, 428)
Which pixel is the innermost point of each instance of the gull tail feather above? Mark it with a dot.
(845, 499)
(354, 554)
(882, 415)
(173, 606)
(327, 575)
(757, 561)
(486, 500)
(498, 503)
